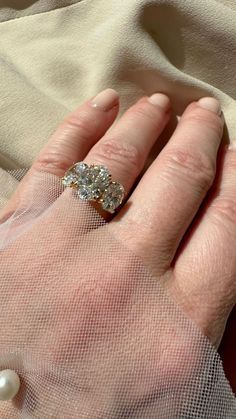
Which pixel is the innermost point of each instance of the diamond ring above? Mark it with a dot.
(94, 183)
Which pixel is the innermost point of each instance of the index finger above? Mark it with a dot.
(71, 141)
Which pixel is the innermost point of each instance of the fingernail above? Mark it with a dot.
(106, 99)
(232, 146)
(160, 100)
(211, 104)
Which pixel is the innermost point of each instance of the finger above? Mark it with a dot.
(78, 133)
(214, 240)
(170, 193)
(72, 140)
(125, 148)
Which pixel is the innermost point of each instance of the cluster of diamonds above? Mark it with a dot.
(93, 183)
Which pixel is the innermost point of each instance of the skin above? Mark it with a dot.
(180, 218)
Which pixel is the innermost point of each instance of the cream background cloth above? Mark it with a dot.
(55, 54)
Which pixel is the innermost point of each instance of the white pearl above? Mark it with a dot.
(9, 384)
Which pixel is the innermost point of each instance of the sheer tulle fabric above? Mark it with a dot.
(91, 333)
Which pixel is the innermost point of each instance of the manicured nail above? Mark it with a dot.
(106, 99)
(160, 100)
(211, 104)
(232, 146)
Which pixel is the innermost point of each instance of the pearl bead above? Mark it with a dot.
(9, 384)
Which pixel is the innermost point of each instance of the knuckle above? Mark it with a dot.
(52, 161)
(197, 168)
(81, 125)
(120, 152)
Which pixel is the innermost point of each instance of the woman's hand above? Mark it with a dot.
(179, 219)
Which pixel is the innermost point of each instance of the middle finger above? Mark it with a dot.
(125, 147)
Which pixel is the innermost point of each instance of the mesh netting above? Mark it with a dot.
(91, 333)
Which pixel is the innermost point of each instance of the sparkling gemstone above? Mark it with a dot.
(85, 178)
(70, 179)
(80, 168)
(91, 181)
(84, 193)
(101, 176)
(101, 172)
(88, 192)
(95, 176)
(113, 196)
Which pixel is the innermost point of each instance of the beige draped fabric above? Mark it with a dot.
(54, 54)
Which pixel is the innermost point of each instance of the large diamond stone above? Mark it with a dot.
(84, 193)
(100, 176)
(85, 178)
(113, 196)
(88, 192)
(80, 168)
(93, 181)
(101, 172)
